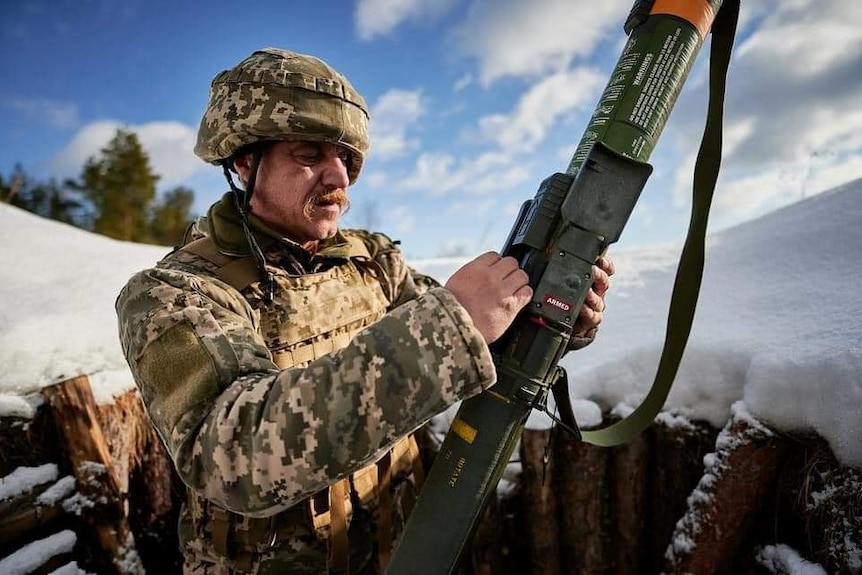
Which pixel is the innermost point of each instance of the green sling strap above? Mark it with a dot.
(690, 270)
(587, 208)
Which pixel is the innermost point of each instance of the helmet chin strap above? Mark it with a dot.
(242, 201)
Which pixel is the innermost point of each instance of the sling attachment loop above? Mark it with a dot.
(563, 403)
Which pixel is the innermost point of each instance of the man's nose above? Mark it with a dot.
(335, 172)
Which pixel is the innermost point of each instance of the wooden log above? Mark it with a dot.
(127, 431)
(581, 481)
(721, 509)
(76, 415)
(153, 494)
(629, 492)
(21, 524)
(27, 441)
(541, 528)
(820, 506)
(154, 503)
(146, 473)
(484, 554)
(90, 460)
(676, 467)
(27, 514)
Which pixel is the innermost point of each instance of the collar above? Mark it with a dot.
(225, 228)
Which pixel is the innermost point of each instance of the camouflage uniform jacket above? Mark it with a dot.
(254, 440)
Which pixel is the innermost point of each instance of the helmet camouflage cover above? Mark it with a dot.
(280, 95)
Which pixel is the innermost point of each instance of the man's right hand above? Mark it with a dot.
(493, 290)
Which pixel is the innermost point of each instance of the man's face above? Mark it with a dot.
(301, 189)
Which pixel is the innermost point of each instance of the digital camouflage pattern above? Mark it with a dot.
(280, 95)
(259, 441)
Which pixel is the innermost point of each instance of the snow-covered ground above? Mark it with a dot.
(778, 327)
(777, 333)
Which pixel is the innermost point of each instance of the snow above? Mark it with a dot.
(26, 479)
(776, 339)
(57, 297)
(778, 326)
(778, 321)
(32, 556)
(785, 560)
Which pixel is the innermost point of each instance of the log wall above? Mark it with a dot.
(680, 499)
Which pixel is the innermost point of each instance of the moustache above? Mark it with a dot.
(336, 196)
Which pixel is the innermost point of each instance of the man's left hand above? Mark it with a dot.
(591, 312)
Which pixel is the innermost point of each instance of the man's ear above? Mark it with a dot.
(242, 165)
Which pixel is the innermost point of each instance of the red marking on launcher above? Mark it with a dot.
(558, 303)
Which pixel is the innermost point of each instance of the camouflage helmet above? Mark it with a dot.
(280, 95)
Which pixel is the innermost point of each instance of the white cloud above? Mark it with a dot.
(442, 173)
(52, 113)
(168, 144)
(375, 178)
(518, 38)
(830, 154)
(455, 248)
(84, 144)
(748, 196)
(735, 134)
(793, 126)
(392, 116)
(512, 137)
(380, 17)
(809, 36)
(540, 107)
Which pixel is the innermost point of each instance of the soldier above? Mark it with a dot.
(287, 363)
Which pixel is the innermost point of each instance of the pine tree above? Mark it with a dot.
(49, 200)
(170, 216)
(121, 187)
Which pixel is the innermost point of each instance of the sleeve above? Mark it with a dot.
(407, 283)
(580, 341)
(257, 440)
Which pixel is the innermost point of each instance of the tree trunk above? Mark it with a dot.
(582, 485)
(727, 500)
(103, 504)
(630, 485)
(541, 528)
(677, 466)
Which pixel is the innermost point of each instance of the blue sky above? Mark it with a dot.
(473, 102)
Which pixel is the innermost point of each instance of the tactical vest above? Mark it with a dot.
(311, 316)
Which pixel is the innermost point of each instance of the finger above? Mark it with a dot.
(523, 295)
(601, 280)
(510, 274)
(607, 264)
(489, 258)
(589, 318)
(506, 266)
(594, 301)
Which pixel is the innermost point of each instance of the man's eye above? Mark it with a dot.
(344, 156)
(307, 158)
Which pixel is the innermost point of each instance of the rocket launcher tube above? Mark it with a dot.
(589, 212)
(644, 86)
(556, 238)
